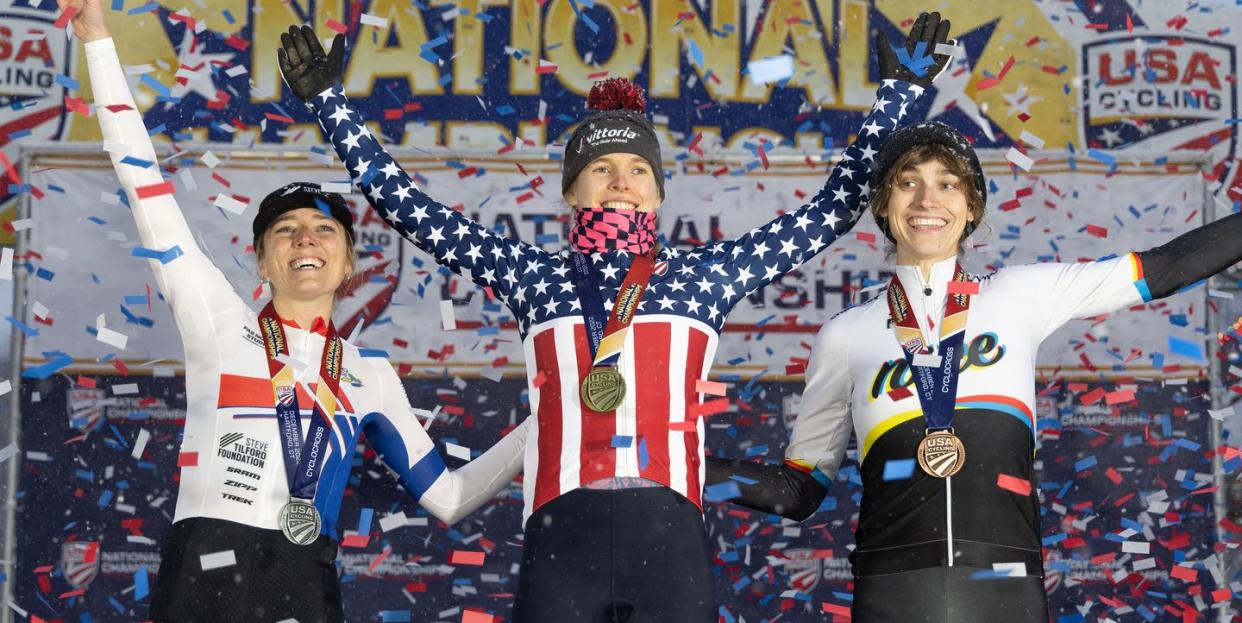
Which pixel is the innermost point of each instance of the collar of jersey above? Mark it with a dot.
(319, 326)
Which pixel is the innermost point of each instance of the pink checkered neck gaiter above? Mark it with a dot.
(603, 230)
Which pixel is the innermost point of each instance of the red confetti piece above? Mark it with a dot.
(461, 557)
(866, 237)
(356, 540)
(187, 459)
(685, 427)
(900, 393)
(155, 190)
(335, 26)
(835, 609)
(379, 559)
(476, 616)
(1221, 594)
(1185, 574)
(1097, 231)
(120, 367)
(1014, 484)
(280, 118)
(1113, 475)
(964, 287)
(1092, 396)
(710, 407)
(1119, 397)
(467, 172)
(711, 388)
(237, 42)
(86, 382)
(65, 17)
(795, 368)
(550, 68)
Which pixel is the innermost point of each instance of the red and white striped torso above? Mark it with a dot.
(571, 446)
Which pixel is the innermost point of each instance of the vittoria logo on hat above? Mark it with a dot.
(599, 136)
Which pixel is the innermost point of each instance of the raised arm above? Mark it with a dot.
(463, 245)
(405, 447)
(765, 253)
(193, 285)
(817, 445)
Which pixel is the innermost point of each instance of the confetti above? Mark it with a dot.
(460, 557)
(217, 560)
(770, 70)
(898, 469)
(1014, 484)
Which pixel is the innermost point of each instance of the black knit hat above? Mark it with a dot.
(301, 195)
(619, 126)
(928, 132)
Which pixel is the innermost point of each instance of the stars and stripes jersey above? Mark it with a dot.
(655, 433)
(858, 380)
(231, 464)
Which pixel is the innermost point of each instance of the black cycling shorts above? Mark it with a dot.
(949, 595)
(626, 556)
(272, 579)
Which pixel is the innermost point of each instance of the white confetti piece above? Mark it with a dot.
(1031, 139)
(23, 224)
(5, 387)
(111, 199)
(391, 522)
(187, 180)
(235, 71)
(1136, 547)
(1221, 414)
(448, 319)
(210, 159)
(217, 560)
(946, 49)
(140, 444)
(1019, 159)
(456, 451)
(341, 188)
(112, 338)
(125, 389)
(41, 311)
(115, 147)
(374, 20)
(770, 69)
(229, 204)
(138, 70)
(1220, 294)
(38, 456)
(6, 263)
(8, 452)
(1010, 569)
(1144, 564)
(927, 361)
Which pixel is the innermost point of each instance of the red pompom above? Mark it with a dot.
(617, 94)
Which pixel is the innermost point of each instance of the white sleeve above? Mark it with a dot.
(405, 447)
(822, 432)
(194, 287)
(1058, 293)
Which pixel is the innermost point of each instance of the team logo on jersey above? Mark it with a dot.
(79, 562)
(805, 569)
(1139, 88)
(377, 270)
(86, 407)
(982, 351)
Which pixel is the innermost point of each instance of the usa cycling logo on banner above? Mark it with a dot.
(1167, 92)
(79, 562)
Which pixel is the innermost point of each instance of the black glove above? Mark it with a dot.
(928, 29)
(307, 71)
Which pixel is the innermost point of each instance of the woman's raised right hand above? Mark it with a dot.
(88, 19)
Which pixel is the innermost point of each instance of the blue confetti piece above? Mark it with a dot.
(137, 162)
(394, 616)
(154, 84)
(642, 454)
(696, 55)
(28, 330)
(1186, 348)
(105, 498)
(917, 62)
(504, 110)
(898, 469)
(228, 15)
(67, 82)
(119, 5)
(1086, 463)
(744, 480)
(364, 521)
(1102, 157)
(590, 23)
(372, 352)
(622, 441)
(136, 299)
(141, 587)
(720, 492)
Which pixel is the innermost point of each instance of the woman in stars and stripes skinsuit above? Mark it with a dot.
(613, 495)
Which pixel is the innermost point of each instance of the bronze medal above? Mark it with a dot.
(299, 521)
(603, 389)
(941, 454)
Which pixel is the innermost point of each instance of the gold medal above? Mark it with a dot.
(603, 389)
(941, 454)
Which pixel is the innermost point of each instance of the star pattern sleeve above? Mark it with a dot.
(454, 240)
(765, 253)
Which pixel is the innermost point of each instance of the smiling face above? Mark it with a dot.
(927, 212)
(618, 180)
(305, 254)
